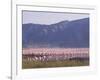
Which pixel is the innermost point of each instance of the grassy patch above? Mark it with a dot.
(46, 64)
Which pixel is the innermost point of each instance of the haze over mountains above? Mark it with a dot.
(64, 34)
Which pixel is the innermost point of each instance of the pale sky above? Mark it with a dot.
(50, 17)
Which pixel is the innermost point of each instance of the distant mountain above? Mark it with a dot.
(65, 34)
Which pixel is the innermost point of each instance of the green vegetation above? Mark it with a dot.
(46, 64)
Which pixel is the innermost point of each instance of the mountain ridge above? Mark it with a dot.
(67, 34)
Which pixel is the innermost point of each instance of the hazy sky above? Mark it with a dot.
(50, 17)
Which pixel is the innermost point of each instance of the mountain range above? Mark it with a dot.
(64, 34)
